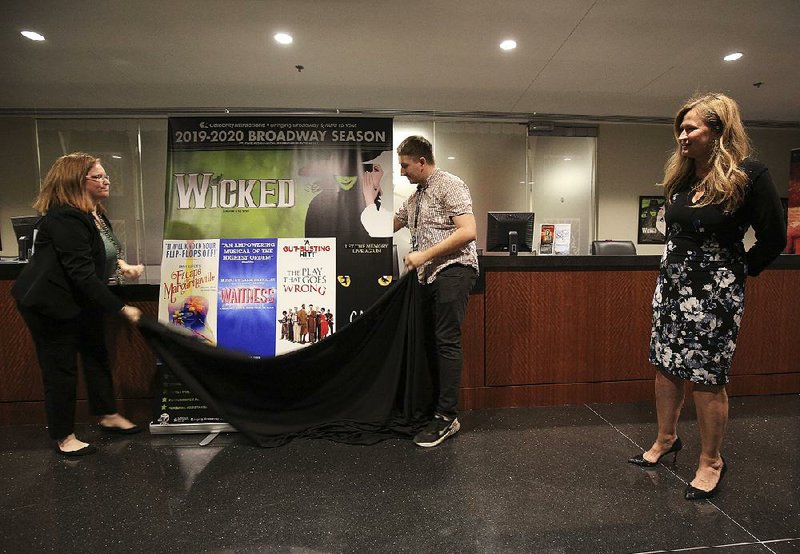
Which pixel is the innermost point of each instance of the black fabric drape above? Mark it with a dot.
(368, 382)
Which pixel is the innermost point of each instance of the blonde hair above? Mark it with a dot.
(726, 181)
(64, 183)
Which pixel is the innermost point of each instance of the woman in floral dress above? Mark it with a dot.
(714, 192)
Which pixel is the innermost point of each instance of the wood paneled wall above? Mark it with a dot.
(571, 337)
(21, 393)
(567, 327)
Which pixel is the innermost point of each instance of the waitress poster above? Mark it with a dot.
(247, 295)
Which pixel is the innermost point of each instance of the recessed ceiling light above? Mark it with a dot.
(733, 56)
(567, 159)
(283, 38)
(116, 157)
(33, 35)
(451, 157)
(508, 44)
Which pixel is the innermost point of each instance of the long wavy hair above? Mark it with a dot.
(64, 183)
(725, 182)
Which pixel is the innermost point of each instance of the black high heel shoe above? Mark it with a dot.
(639, 460)
(693, 493)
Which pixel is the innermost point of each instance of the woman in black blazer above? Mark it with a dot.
(62, 295)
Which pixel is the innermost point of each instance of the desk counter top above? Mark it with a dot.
(595, 263)
(10, 269)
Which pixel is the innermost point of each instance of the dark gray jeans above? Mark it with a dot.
(444, 303)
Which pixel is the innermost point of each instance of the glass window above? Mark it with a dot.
(133, 153)
(562, 181)
(489, 157)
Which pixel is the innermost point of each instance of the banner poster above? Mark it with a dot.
(307, 292)
(270, 220)
(178, 409)
(189, 282)
(247, 295)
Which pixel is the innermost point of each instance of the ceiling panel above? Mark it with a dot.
(581, 57)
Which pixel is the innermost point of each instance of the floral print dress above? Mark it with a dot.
(699, 297)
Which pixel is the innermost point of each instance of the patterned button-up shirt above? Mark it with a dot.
(428, 213)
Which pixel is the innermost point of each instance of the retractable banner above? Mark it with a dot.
(277, 233)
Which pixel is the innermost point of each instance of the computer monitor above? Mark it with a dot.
(24, 226)
(510, 232)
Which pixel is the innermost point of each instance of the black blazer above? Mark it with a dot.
(66, 271)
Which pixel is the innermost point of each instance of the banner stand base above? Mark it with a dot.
(210, 437)
(181, 428)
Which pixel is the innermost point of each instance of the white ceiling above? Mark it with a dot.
(598, 58)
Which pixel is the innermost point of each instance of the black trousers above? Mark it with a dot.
(444, 303)
(58, 343)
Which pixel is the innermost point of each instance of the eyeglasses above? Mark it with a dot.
(99, 178)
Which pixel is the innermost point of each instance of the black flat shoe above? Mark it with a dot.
(120, 431)
(85, 451)
(693, 493)
(639, 460)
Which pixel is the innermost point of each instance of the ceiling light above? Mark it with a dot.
(33, 35)
(451, 157)
(733, 56)
(508, 44)
(116, 157)
(567, 159)
(283, 38)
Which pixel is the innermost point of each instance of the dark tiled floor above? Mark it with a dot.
(550, 480)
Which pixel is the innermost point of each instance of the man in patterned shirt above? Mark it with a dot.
(439, 216)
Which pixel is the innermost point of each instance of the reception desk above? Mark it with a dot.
(545, 330)
(539, 330)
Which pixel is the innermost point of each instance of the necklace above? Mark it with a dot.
(109, 237)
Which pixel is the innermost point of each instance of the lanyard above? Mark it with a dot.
(414, 242)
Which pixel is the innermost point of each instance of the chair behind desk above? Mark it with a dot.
(613, 248)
